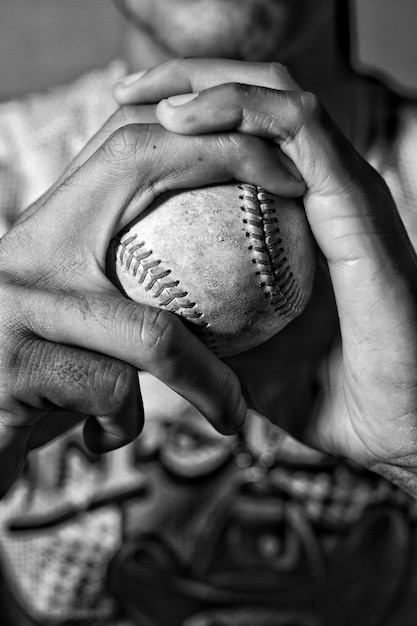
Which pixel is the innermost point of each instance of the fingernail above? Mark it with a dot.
(177, 101)
(132, 78)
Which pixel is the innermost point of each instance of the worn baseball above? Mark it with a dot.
(234, 262)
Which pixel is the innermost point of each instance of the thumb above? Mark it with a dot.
(134, 165)
(139, 114)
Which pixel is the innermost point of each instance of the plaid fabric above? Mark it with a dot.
(193, 532)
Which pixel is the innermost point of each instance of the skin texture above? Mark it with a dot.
(342, 376)
(236, 29)
(70, 344)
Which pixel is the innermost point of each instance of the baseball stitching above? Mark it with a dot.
(136, 260)
(268, 254)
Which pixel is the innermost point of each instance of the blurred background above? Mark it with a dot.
(49, 42)
(384, 41)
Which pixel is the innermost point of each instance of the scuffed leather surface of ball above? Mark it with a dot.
(236, 263)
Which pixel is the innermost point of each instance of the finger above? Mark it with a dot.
(125, 115)
(351, 212)
(124, 176)
(339, 206)
(146, 338)
(235, 106)
(13, 447)
(181, 76)
(48, 376)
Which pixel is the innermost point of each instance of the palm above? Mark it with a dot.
(303, 381)
(280, 377)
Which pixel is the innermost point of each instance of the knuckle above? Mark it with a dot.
(279, 73)
(237, 90)
(242, 154)
(124, 116)
(23, 373)
(231, 146)
(239, 143)
(119, 381)
(123, 144)
(92, 384)
(49, 371)
(127, 114)
(132, 145)
(65, 370)
(310, 106)
(303, 109)
(154, 330)
(160, 333)
(60, 373)
(244, 147)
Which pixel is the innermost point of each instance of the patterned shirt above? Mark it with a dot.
(184, 527)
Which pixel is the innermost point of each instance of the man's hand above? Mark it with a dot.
(70, 343)
(343, 377)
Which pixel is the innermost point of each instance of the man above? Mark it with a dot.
(219, 542)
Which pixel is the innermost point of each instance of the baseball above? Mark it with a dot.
(233, 261)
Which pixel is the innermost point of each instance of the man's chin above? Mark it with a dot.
(255, 30)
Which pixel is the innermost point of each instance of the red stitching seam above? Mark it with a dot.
(268, 253)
